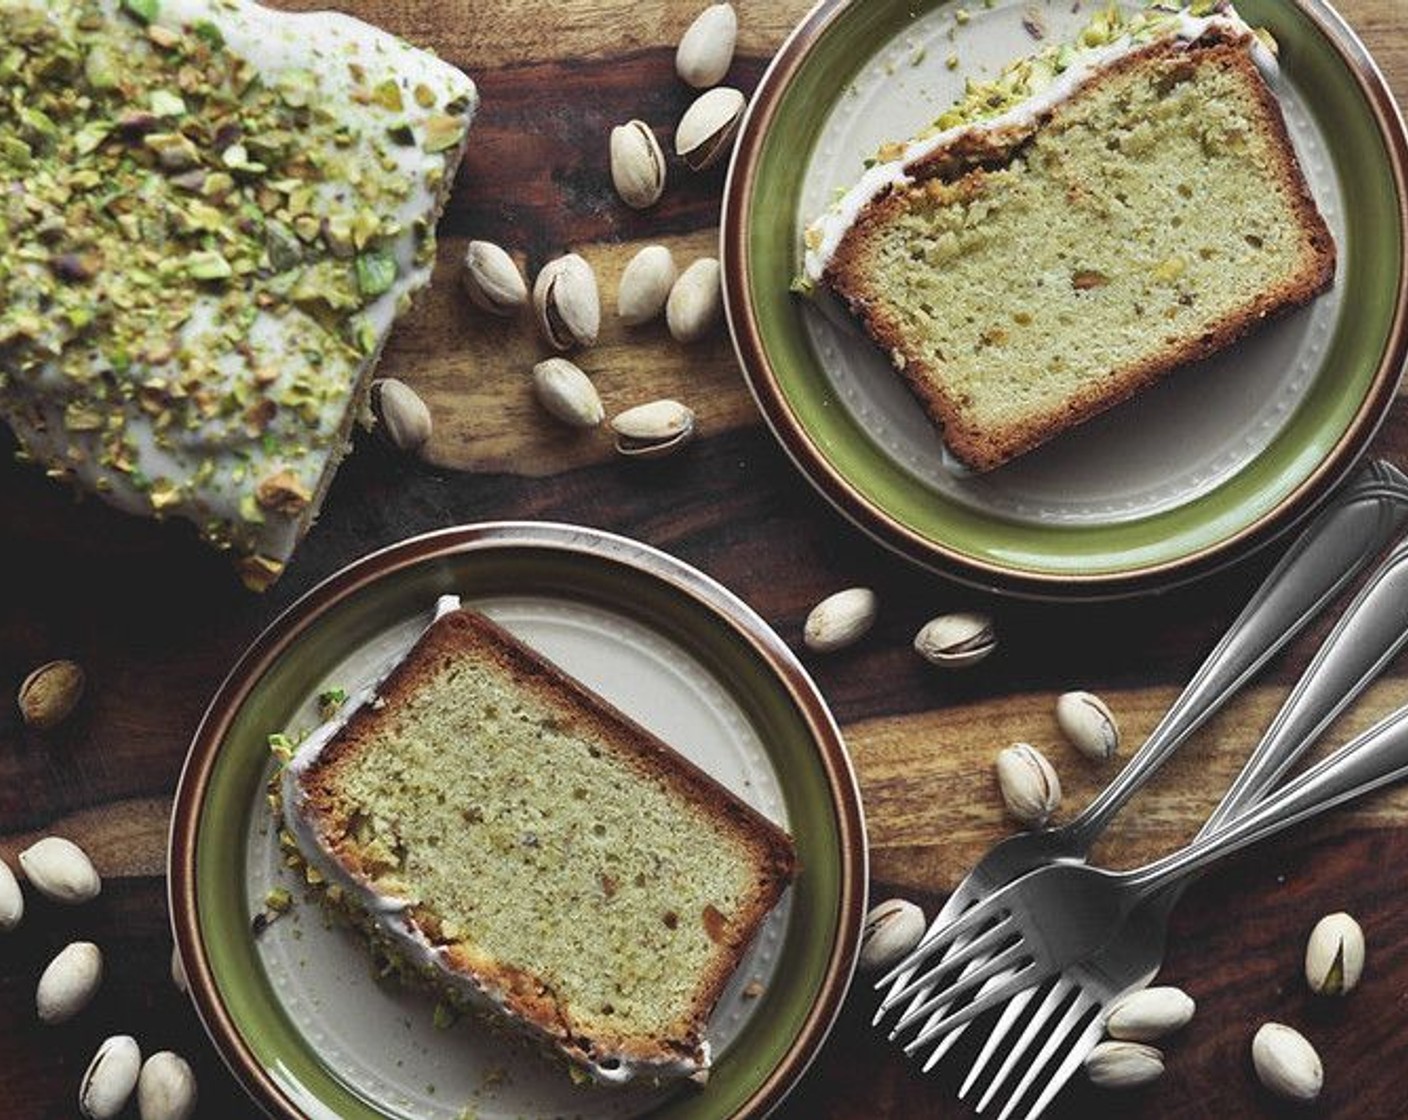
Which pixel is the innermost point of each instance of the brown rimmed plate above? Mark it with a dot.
(294, 1011)
(1187, 478)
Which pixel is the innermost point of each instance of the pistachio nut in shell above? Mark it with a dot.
(696, 301)
(707, 130)
(1286, 1063)
(11, 899)
(166, 1088)
(1030, 787)
(68, 982)
(956, 641)
(705, 50)
(654, 429)
(1123, 1065)
(492, 279)
(110, 1078)
(1149, 1014)
(60, 870)
(637, 165)
(402, 418)
(645, 285)
(840, 620)
(1088, 724)
(567, 302)
(567, 393)
(891, 929)
(1334, 955)
(50, 693)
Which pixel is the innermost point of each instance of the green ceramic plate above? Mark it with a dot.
(1191, 475)
(295, 1011)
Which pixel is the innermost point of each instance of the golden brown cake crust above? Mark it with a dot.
(963, 165)
(769, 850)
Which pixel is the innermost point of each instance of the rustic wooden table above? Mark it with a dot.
(157, 622)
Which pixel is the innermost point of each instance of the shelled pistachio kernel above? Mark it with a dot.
(1030, 787)
(1334, 955)
(840, 620)
(50, 693)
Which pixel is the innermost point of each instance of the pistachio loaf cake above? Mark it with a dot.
(507, 835)
(1077, 228)
(212, 213)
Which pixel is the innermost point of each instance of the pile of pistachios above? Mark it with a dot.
(164, 1084)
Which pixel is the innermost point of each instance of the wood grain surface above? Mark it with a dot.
(157, 621)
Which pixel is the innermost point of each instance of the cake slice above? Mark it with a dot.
(1078, 228)
(509, 836)
(212, 212)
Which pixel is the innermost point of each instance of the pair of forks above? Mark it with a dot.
(1079, 938)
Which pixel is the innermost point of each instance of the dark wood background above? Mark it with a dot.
(157, 621)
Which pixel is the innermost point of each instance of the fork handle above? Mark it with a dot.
(1374, 759)
(1341, 540)
(1372, 629)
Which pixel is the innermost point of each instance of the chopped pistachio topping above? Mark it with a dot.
(198, 255)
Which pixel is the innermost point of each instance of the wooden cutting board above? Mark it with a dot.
(157, 622)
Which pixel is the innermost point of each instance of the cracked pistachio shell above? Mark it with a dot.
(69, 982)
(695, 301)
(652, 430)
(706, 131)
(1334, 955)
(1089, 725)
(11, 899)
(891, 930)
(1286, 1063)
(1149, 1014)
(1123, 1065)
(840, 619)
(60, 870)
(637, 164)
(401, 416)
(705, 50)
(645, 285)
(166, 1088)
(492, 279)
(567, 393)
(956, 641)
(110, 1078)
(567, 302)
(1030, 787)
(49, 694)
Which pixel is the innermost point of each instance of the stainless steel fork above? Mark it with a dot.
(1339, 543)
(1069, 914)
(1373, 627)
(1069, 1020)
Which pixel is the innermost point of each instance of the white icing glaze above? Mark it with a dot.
(275, 42)
(1186, 29)
(390, 913)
